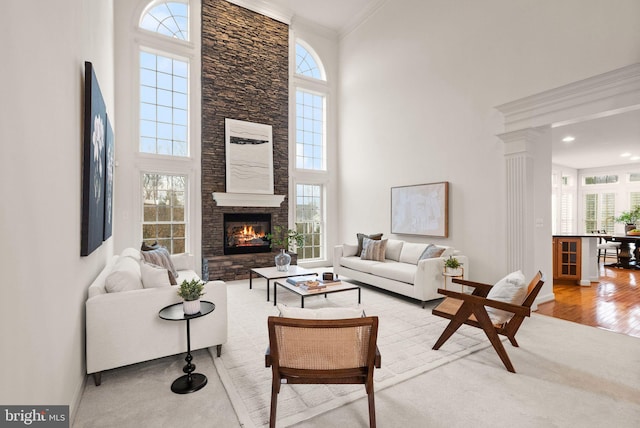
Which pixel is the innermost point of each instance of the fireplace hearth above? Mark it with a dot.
(246, 233)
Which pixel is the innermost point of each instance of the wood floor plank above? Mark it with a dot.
(612, 304)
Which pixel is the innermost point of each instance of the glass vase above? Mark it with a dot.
(283, 260)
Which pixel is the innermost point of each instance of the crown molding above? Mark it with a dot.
(606, 92)
(361, 17)
(263, 7)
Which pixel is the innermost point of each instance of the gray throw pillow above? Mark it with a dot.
(431, 252)
(361, 236)
(373, 250)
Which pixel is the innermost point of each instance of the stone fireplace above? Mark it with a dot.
(245, 76)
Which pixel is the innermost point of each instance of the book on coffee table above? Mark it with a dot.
(298, 280)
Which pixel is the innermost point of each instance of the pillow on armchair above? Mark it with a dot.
(320, 313)
(510, 289)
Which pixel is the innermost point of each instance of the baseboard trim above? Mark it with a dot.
(75, 401)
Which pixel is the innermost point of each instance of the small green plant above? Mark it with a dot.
(629, 217)
(452, 263)
(191, 290)
(285, 238)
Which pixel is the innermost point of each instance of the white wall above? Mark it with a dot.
(44, 279)
(419, 83)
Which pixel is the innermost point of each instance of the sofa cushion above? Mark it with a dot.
(182, 261)
(361, 236)
(160, 257)
(510, 289)
(155, 276)
(125, 276)
(448, 251)
(394, 246)
(403, 272)
(319, 314)
(431, 252)
(349, 250)
(131, 252)
(356, 263)
(373, 250)
(411, 252)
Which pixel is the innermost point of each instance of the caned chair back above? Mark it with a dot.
(322, 344)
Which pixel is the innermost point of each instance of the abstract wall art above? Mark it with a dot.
(420, 209)
(249, 157)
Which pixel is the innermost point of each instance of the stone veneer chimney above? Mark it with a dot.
(245, 76)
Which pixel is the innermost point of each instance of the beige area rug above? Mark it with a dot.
(406, 334)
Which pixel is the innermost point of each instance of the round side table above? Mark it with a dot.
(190, 382)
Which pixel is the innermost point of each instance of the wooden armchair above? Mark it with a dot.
(471, 309)
(317, 351)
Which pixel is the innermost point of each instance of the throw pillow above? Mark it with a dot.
(125, 276)
(319, 314)
(394, 247)
(431, 252)
(154, 276)
(361, 236)
(149, 247)
(373, 250)
(160, 257)
(510, 289)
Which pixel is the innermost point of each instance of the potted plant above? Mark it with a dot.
(190, 291)
(452, 266)
(629, 218)
(285, 239)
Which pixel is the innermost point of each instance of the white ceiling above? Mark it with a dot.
(598, 142)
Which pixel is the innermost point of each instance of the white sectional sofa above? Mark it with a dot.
(402, 271)
(123, 327)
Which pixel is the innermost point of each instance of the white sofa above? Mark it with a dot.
(402, 271)
(123, 327)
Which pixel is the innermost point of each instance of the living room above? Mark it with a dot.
(414, 88)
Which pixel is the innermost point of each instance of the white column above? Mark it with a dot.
(518, 151)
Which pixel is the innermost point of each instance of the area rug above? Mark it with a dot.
(406, 334)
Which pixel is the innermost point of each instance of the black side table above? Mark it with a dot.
(191, 382)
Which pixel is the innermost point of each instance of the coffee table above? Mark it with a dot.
(337, 288)
(270, 273)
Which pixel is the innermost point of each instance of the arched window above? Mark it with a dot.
(170, 19)
(310, 171)
(306, 63)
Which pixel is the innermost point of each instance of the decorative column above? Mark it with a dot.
(518, 152)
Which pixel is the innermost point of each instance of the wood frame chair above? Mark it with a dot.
(313, 351)
(470, 309)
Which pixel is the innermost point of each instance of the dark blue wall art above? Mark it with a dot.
(93, 174)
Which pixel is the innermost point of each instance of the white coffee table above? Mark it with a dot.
(270, 273)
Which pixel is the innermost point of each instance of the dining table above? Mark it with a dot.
(627, 258)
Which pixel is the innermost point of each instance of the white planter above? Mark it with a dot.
(191, 307)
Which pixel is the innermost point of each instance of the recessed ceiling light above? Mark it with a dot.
(568, 139)
(634, 158)
(625, 155)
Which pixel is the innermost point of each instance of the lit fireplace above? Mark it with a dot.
(246, 233)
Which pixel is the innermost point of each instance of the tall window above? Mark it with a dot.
(309, 219)
(309, 130)
(164, 105)
(166, 164)
(310, 171)
(164, 217)
(599, 211)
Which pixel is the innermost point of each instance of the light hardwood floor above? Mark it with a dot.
(612, 304)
